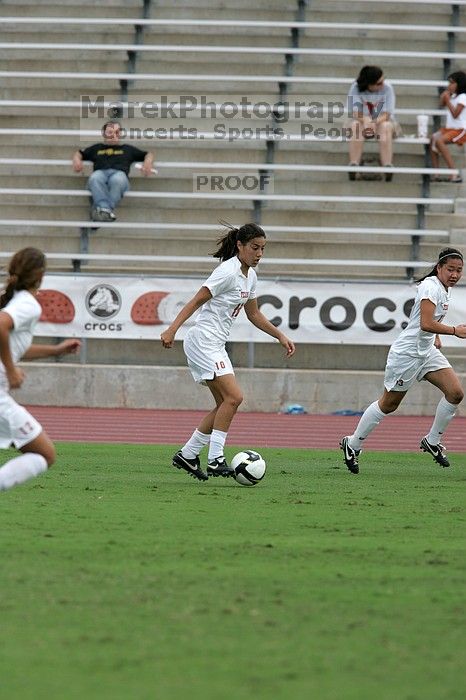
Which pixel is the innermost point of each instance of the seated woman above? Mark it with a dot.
(454, 131)
(371, 105)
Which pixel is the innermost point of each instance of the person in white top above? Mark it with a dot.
(19, 313)
(415, 355)
(454, 131)
(230, 287)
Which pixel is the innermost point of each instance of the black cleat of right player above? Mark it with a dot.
(437, 452)
(350, 455)
(192, 466)
(219, 467)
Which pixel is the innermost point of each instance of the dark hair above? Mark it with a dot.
(111, 121)
(459, 77)
(368, 75)
(24, 272)
(227, 247)
(443, 258)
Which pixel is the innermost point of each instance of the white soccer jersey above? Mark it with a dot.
(25, 311)
(230, 291)
(412, 340)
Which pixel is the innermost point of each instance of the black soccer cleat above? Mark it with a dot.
(350, 455)
(192, 466)
(219, 467)
(437, 452)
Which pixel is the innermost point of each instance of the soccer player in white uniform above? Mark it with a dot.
(230, 287)
(19, 313)
(415, 355)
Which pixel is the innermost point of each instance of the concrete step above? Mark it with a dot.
(387, 12)
(128, 211)
(113, 9)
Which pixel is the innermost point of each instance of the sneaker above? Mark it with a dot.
(437, 452)
(352, 175)
(389, 176)
(351, 456)
(219, 467)
(192, 466)
(106, 214)
(101, 214)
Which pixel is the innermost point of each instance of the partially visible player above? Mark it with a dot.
(19, 313)
(230, 287)
(416, 355)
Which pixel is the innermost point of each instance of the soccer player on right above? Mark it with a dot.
(415, 355)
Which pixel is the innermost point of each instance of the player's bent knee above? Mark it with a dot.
(235, 400)
(389, 406)
(456, 396)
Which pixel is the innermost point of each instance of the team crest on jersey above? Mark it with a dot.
(244, 295)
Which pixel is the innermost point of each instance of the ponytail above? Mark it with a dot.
(227, 244)
(25, 271)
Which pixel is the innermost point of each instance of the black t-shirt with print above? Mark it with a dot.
(119, 157)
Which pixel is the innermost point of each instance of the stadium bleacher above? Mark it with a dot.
(275, 53)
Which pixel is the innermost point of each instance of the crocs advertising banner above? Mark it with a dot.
(92, 306)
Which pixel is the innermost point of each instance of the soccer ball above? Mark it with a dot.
(249, 467)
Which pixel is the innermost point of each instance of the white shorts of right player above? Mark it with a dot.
(402, 370)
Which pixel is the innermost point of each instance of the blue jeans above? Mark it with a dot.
(107, 187)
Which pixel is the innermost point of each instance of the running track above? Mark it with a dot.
(248, 429)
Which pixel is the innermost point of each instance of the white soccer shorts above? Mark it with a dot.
(402, 370)
(17, 426)
(205, 359)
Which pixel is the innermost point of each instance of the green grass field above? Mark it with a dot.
(123, 578)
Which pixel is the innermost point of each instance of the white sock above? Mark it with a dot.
(369, 420)
(217, 443)
(195, 444)
(443, 415)
(21, 469)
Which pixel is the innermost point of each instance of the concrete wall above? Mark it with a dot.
(120, 386)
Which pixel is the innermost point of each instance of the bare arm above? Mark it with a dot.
(66, 347)
(430, 325)
(258, 319)
(77, 162)
(148, 164)
(168, 336)
(445, 99)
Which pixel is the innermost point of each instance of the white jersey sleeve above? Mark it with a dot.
(220, 281)
(253, 292)
(24, 310)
